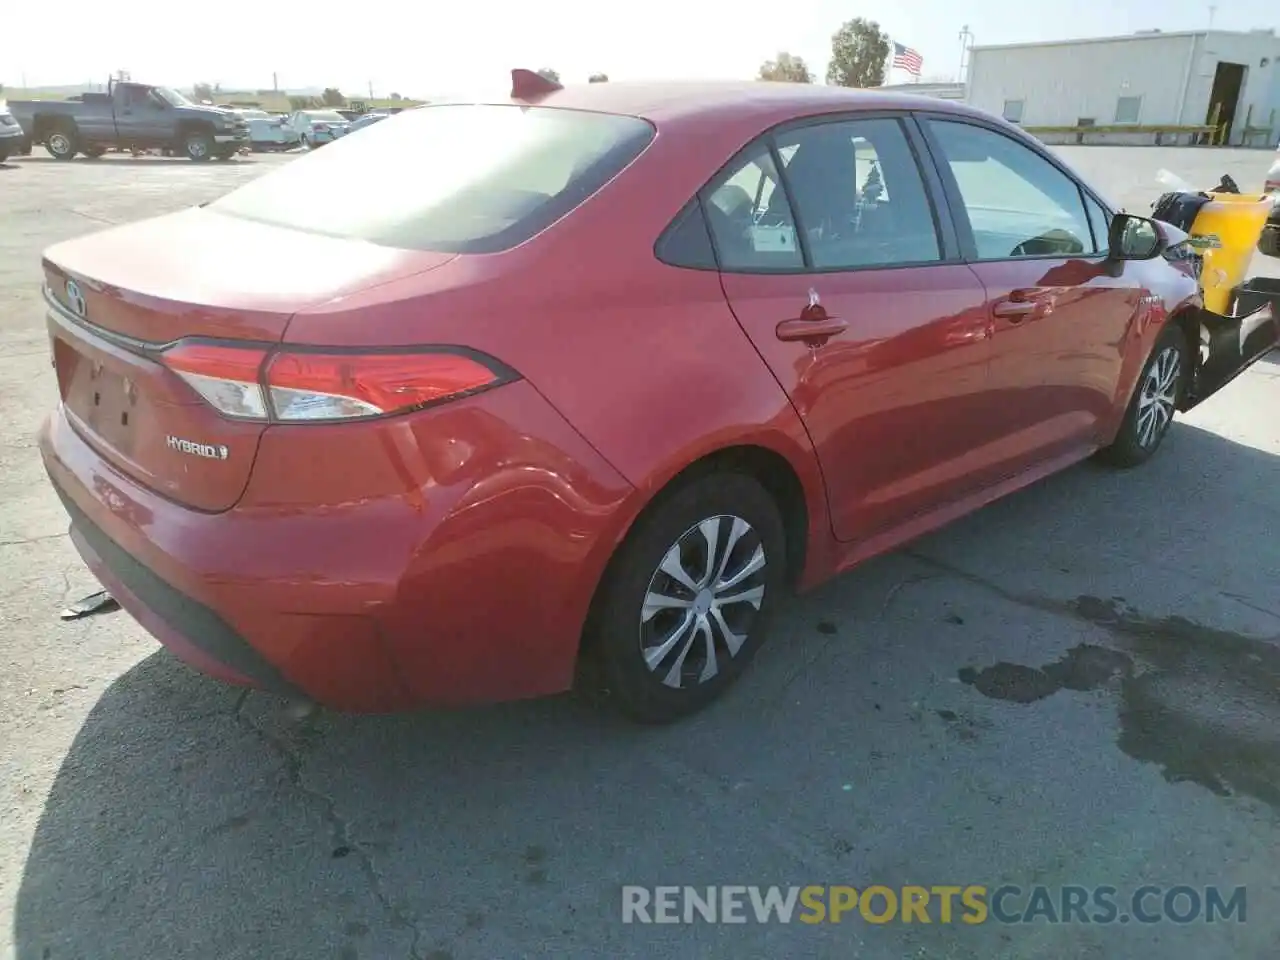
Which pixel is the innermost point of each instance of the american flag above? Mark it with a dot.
(904, 58)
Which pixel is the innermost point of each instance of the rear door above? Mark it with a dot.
(847, 281)
(1061, 309)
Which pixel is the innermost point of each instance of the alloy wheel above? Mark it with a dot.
(702, 600)
(59, 144)
(1159, 396)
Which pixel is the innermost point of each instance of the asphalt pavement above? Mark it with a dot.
(1078, 686)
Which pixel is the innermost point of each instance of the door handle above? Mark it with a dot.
(821, 329)
(1015, 311)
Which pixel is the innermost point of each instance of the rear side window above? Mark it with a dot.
(452, 179)
(750, 219)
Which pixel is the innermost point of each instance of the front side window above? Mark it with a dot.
(1100, 222)
(1018, 203)
(750, 219)
(469, 178)
(1013, 110)
(859, 195)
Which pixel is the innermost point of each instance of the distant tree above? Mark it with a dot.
(548, 73)
(332, 97)
(396, 96)
(787, 68)
(303, 103)
(202, 91)
(598, 78)
(859, 50)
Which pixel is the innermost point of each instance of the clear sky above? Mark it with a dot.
(420, 49)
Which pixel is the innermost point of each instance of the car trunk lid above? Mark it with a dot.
(119, 300)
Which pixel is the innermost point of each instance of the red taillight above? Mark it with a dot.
(228, 377)
(322, 127)
(251, 383)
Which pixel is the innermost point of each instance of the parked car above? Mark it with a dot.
(12, 139)
(268, 131)
(351, 116)
(318, 127)
(131, 116)
(367, 120)
(463, 432)
(1273, 175)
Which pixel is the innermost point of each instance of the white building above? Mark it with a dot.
(941, 89)
(1185, 78)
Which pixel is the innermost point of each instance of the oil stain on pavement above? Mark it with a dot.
(1203, 704)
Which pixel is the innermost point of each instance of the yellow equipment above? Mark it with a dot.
(1226, 231)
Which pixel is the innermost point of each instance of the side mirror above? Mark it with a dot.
(1135, 238)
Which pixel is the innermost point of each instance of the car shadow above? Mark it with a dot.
(188, 820)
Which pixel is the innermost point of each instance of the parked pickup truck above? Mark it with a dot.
(131, 116)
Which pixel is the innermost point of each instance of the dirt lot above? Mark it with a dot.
(1077, 686)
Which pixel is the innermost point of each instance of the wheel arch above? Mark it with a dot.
(190, 125)
(772, 469)
(44, 124)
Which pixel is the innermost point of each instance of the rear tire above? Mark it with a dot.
(1160, 388)
(198, 146)
(685, 602)
(62, 143)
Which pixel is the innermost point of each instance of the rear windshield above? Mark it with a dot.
(449, 178)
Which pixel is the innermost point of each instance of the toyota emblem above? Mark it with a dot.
(76, 299)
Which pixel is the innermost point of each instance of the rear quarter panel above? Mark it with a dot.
(645, 360)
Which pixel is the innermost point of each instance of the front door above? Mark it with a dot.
(1062, 310)
(142, 117)
(850, 288)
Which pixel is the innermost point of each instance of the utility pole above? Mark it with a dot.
(966, 43)
(370, 89)
(275, 82)
(1213, 10)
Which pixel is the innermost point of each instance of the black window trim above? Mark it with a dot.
(952, 189)
(950, 249)
(692, 208)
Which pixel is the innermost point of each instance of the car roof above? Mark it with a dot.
(768, 102)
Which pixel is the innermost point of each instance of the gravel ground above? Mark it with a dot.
(1076, 686)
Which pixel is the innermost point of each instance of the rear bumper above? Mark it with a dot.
(448, 557)
(187, 627)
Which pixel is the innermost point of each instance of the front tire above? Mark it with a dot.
(198, 146)
(685, 602)
(1160, 388)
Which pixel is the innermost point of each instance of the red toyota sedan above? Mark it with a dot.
(576, 383)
